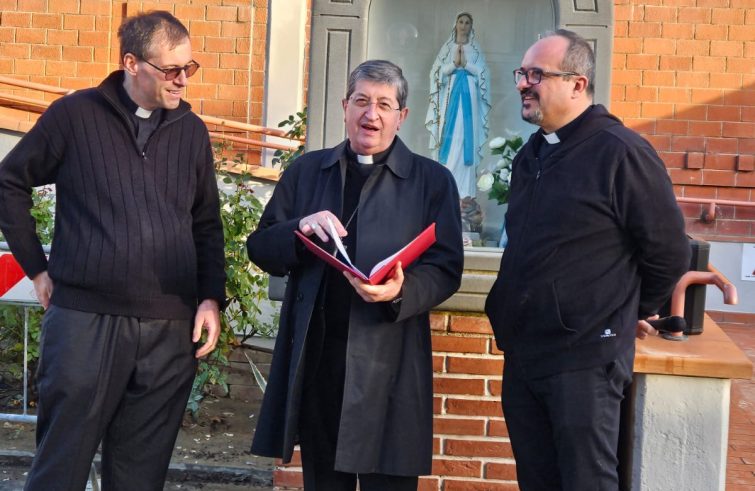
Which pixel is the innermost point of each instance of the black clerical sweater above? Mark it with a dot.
(137, 230)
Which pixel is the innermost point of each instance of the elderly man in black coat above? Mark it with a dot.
(351, 378)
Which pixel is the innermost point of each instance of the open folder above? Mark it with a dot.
(406, 255)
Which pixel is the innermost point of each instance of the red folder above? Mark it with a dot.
(406, 255)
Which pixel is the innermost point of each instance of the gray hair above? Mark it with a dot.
(138, 33)
(579, 57)
(381, 72)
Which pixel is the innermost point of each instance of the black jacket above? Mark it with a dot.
(596, 242)
(386, 420)
(137, 230)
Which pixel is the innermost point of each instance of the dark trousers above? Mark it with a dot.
(325, 371)
(120, 380)
(564, 428)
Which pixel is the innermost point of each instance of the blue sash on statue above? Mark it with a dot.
(459, 93)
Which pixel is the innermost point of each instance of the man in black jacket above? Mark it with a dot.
(136, 269)
(351, 377)
(596, 242)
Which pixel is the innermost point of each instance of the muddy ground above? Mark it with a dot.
(211, 452)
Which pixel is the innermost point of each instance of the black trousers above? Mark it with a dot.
(122, 381)
(325, 371)
(564, 428)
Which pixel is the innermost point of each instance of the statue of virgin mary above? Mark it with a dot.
(457, 117)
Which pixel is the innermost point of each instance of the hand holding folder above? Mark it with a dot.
(406, 255)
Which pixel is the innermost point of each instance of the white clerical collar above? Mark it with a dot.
(364, 159)
(143, 113)
(551, 138)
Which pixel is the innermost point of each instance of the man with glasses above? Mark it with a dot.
(596, 243)
(136, 270)
(351, 376)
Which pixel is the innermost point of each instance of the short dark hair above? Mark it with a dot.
(138, 33)
(382, 72)
(579, 56)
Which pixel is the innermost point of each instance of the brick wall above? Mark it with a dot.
(684, 76)
(74, 44)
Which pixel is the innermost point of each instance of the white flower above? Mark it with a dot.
(501, 164)
(504, 175)
(485, 182)
(497, 142)
(511, 134)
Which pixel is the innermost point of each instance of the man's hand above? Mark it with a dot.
(208, 317)
(644, 329)
(379, 293)
(43, 288)
(317, 223)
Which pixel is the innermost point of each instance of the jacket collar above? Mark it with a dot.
(399, 160)
(109, 89)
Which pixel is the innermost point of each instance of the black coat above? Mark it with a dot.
(596, 242)
(386, 419)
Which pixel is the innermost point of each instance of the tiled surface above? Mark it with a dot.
(740, 472)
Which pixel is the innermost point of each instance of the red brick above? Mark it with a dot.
(660, 14)
(659, 78)
(673, 62)
(31, 5)
(686, 176)
(450, 485)
(477, 448)
(77, 53)
(458, 426)
(457, 468)
(677, 31)
(726, 48)
(696, 112)
(734, 194)
(288, 478)
(695, 160)
(475, 366)
(46, 52)
(707, 96)
(466, 386)
(642, 62)
(64, 38)
(428, 484)
(748, 113)
(672, 126)
(659, 142)
(235, 29)
(745, 163)
(31, 35)
(687, 144)
(718, 178)
(439, 363)
(93, 38)
(673, 160)
(469, 407)
(16, 19)
(739, 130)
(700, 128)
(63, 6)
(724, 113)
(497, 427)
(656, 110)
(458, 344)
(746, 179)
(627, 77)
(657, 46)
(726, 80)
(694, 15)
(494, 387)
(644, 30)
(222, 13)
(437, 405)
(741, 33)
(642, 94)
(503, 472)
(204, 28)
(470, 324)
(78, 22)
(27, 67)
(717, 161)
(721, 145)
(693, 79)
(674, 94)
(438, 322)
(627, 45)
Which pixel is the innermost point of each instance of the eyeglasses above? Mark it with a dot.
(383, 107)
(535, 75)
(173, 73)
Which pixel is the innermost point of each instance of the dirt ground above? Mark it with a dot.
(218, 439)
